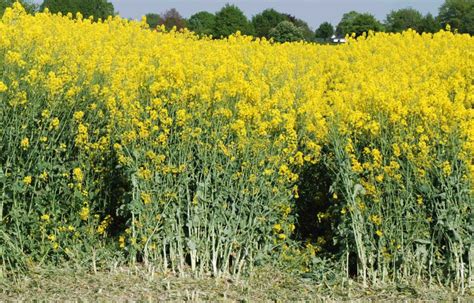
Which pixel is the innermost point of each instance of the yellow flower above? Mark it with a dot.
(379, 178)
(268, 172)
(3, 87)
(377, 220)
(25, 143)
(103, 225)
(419, 200)
(146, 198)
(379, 233)
(277, 227)
(396, 150)
(377, 155)
(78, 175)
(78, 116)
(446, 167)
(84, 213)
(373, 127)
(43, 176)
(121, 242)
(27, 180)
(55, 123)
(45, 217)
(82, 135)
(45, 114)
(144, 173)
(356, 166)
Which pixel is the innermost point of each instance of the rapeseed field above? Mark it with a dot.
(215, 156)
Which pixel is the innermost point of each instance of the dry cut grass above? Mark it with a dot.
(265, 284)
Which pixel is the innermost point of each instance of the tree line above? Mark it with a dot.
(282, 27)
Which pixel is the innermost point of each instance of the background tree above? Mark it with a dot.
(324, 31)
(429, 24)
(403, 19)
(97, 8)
(286, 31)
(172, 18)
(56, 6)
(229, 20)
(153, 20)
(308, 34)
(202, 23)
(354, 22)
(266, 20)
(459, 14)
(346, 24)
(29, 6)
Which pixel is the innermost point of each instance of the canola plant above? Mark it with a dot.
(195, 154)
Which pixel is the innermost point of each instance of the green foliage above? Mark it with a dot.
(403, 19)
(459, 14)
(172, 18)
(286, 31)
(325, 31)
(265, 21)
(358, 23)
(29, 6)
(308, 34)
(231, 19)
(153, 20)
(43, 177)
(202, 23)
(345, 26)
(429, 24)
(413, 224)
(96, 8)
(54, 6)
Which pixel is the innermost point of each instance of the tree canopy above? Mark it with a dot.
(358, 23)
(308, 34)
(325, 31)
(29, 6)
(286, 31)
(172, 18)
(403, 19)
(265, 21)
(202, 23)
(229, 20)
(429, 24)
(97, 8)
(153, 20)
(459, 14)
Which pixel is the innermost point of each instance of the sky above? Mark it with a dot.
(314, 12)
